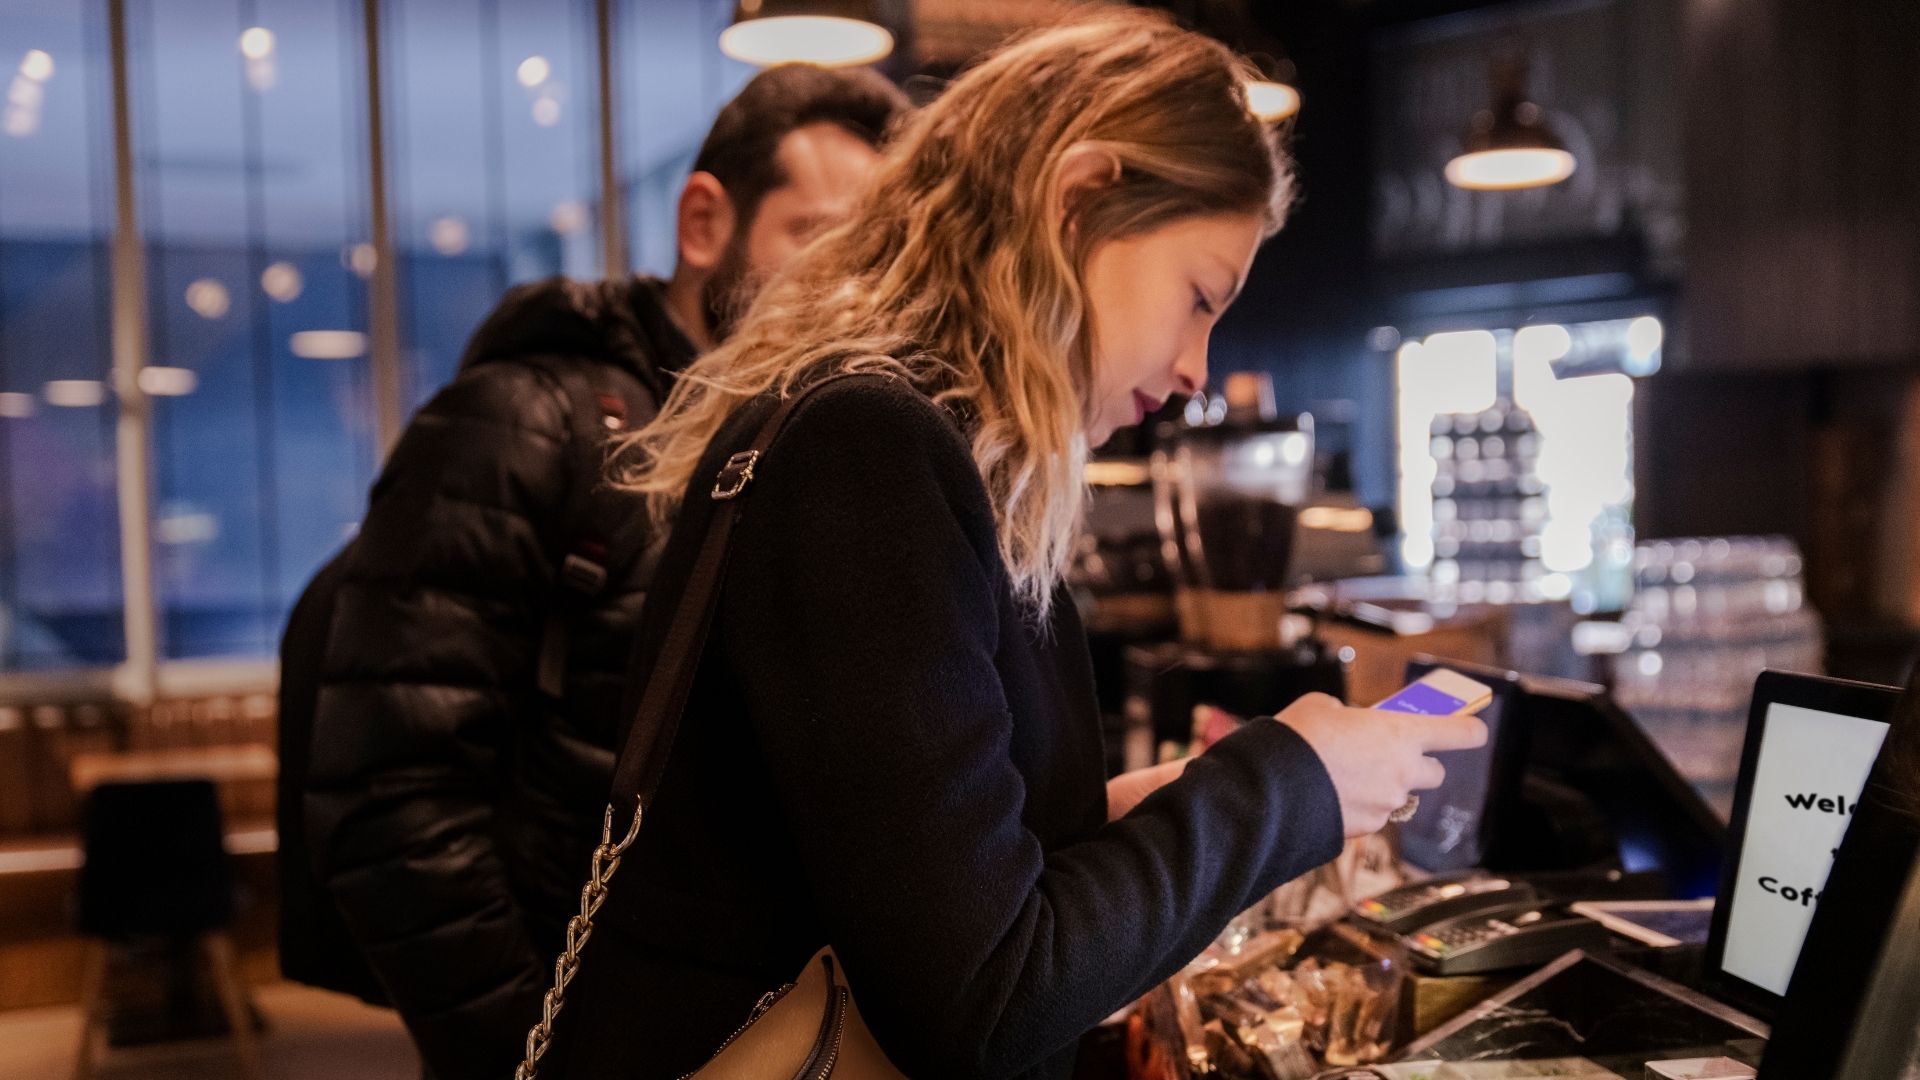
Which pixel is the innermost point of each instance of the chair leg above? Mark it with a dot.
(93, 976)
(233, 996)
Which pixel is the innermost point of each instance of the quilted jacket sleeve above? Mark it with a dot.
(429, 667)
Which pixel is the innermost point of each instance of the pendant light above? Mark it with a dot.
(1271, 100)
(1509, 147)
(1271, 96)
(831, 33)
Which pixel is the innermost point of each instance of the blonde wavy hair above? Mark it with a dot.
(958, 273)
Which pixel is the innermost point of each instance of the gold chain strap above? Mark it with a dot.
(606, 859)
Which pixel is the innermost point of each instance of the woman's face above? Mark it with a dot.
(1154, 299)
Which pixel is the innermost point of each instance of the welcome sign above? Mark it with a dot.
(1811, 768)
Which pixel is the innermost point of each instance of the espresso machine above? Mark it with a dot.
(1228, 486)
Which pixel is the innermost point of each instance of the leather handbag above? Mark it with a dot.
(810, 1028)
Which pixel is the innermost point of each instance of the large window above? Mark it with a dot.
(60, 592)
(253, 198)
(249, 174)
(495, 113)
(668, 96)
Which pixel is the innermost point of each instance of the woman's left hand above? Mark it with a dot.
(1129, 789)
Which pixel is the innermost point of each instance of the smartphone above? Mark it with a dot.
(1439, 693)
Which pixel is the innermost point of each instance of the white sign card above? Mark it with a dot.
(1811, 769)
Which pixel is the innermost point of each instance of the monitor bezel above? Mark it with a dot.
(1819, 693)
(1866, 924)
(1634, 738)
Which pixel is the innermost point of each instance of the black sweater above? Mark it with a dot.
(881, 754)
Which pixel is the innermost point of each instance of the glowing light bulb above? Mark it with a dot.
(827, 40)
(75, 393)
(1510, 170)
(168, 381)
(568, 217)
(209, 299)
(256, 43)
(282, 281)
(37, 65)
(448, 235)
(1272, 101)
(328, 344)
(533, 71)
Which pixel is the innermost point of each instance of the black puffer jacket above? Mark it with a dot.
(451, 805)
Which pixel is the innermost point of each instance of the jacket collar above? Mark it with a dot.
(622, 322)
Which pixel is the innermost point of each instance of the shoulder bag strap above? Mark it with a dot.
(649, 742)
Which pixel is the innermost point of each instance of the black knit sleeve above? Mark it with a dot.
(861, 616)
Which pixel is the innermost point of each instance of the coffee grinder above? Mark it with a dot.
(1228, 491)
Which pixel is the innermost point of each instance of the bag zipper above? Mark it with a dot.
(826, 1051)
(838, 1008)
(767, 1001)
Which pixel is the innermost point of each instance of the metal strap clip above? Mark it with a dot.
(582, 575)
(735, 474)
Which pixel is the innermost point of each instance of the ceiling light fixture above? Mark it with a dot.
(75, 393)
(831, 33)
(1270, 101)
(168, 381)
(1271, 87)
(328, 344)
(1509, 146)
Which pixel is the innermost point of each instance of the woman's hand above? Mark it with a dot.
(1377, 759)
(1129, 789)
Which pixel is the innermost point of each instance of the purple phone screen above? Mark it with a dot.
(1422, 699)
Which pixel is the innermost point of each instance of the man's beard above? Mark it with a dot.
(730, 290)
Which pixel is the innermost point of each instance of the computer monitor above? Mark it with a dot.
(1596, 786)
(1810, 744)
(1566, 782)
(1451, 829)
(1861, 957)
